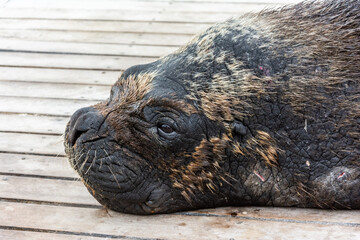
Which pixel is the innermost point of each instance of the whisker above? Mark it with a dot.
(107, 156)
(92, 163)
(78, 157)
(114, 176)
(86, 158)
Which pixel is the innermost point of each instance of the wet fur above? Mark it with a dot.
(289, 77)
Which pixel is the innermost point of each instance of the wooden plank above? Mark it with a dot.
(13, 187)
(137, 5)
(36, 165)
(99, 37)
(32, 123)
(12, 234)
(41, 189)
(103, 49)
(65, 61)
(48, 166)
(237, 1)
(168, 226)
(299, 214)
(56, 107)
(59, 75)
(51, 90)
(32, 143)
(115, 15)
(103, 26)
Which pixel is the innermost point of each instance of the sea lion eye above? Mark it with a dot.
(166, 128)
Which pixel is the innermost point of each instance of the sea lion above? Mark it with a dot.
(258, 110)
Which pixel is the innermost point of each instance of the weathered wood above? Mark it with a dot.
(298, 214)
(14, 188)
(51, 90)
(35, 234)
(116, 15)
(103, 26)
(57, 107)
(77, 46)
(168, 226)
(42, 189)
(235, 1)
(59, 75)
(23, 164)
(32, 143)
(66, 61)
(99, 37)
(32, 123)
(103, 49)
(138, 5)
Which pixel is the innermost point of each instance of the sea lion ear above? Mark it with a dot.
(238, 128)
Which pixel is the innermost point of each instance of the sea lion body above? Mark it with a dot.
(258, 110)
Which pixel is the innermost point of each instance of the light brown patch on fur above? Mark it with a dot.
(263, 145)
(132, 90)
(204, 171)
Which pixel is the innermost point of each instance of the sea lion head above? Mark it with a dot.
(150, 148)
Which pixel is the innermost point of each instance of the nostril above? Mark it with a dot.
(82, 121)
(74, 135)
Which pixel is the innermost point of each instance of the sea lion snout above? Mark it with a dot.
(82, 121)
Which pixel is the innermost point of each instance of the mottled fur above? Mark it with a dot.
(265, 110)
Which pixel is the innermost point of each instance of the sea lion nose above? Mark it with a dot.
(82, 121)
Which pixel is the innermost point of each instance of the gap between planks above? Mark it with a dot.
(60, 61)
(115, 15)
(54, 91)
(118, 50)
(73, 192)
(134, 39)
(66, 76)
(104, 26)
(164, 226)
(11, 233)
(195, 7)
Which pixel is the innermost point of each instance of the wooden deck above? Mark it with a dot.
(58, 56)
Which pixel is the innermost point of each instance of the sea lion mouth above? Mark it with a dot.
(116, 176)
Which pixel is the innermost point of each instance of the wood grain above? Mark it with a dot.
(25, 123)
(61, 218)
(56, 107)
(84, 77)
(32, 144)
(10, 44)
(152, 39)
(68, 61)
(33, 165)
